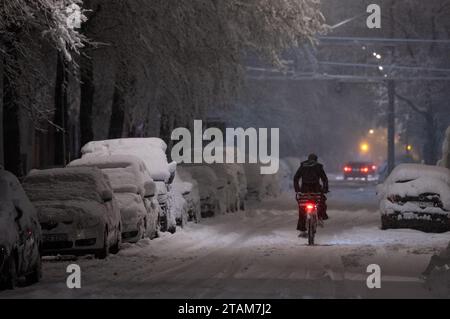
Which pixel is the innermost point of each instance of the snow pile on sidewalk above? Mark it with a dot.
(438, 274)
(414, 180)
(445, 161)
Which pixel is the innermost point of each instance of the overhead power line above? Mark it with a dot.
(381, 40)
(399, 67)
(343, 77)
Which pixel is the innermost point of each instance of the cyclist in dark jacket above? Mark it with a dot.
(311, 174)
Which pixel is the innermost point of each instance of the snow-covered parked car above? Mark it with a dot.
(260, 186)
(416, 196)
(208, 185)
(186, 185)
(227, 189)
(20, 234)
(168, 217)
(178, 202)
(152, 151)
(76, 209)
(134, 190)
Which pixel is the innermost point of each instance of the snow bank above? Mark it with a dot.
(150, 150)
(445, 161)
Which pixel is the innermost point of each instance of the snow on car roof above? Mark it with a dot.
(126, 173)
(150, 150)
(71, 183)
(406, 172)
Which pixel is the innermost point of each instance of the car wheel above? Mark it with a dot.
(36, 275)
(116, 248)
(172, 229)
(102, 253)
(163, 223)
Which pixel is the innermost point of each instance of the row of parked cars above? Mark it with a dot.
(119, 191)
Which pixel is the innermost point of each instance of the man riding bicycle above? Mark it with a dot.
(311, 173)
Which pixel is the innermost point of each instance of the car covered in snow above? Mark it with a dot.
(260, 186)
(187, 186)
(227, 191)
(152, 151)
(134, 190)
(77, 211)
(20, 234)
(416, 196)
(208, 185)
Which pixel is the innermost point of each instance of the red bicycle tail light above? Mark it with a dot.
(310, 207)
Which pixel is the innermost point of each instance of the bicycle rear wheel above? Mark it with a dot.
(311, 231)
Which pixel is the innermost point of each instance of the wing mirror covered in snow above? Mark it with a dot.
(149, 189)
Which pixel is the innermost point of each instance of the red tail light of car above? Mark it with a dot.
(347, 169)
(365, 169)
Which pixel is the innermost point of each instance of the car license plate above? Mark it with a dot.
(55, 237)
(424, 204)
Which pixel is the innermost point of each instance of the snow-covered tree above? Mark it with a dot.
(185, 57)
(30, 34)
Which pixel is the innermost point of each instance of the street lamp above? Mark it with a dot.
(364, 147)
(371, 131)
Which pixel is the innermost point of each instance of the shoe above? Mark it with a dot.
(303, 234)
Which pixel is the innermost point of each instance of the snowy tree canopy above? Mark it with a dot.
(60, 19)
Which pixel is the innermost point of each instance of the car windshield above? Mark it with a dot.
(122, 180)
(63, 187)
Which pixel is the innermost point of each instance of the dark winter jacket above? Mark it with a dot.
(311, 173)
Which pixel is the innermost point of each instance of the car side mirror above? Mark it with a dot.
(18, 210)
(107, 195)
(149, 189)
(19, 213)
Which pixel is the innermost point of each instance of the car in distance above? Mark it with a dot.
(77, 211)
(20, 234)
(359, 170)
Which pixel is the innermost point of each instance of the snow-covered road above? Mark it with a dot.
(256, 254)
